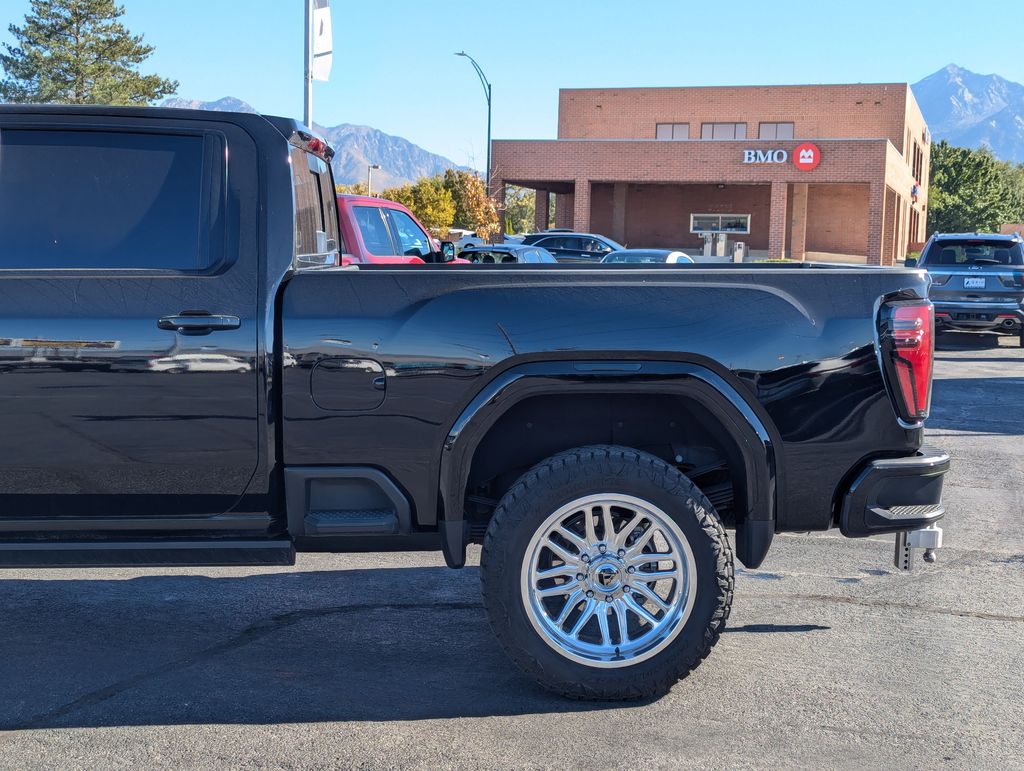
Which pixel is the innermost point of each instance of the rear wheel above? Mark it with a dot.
(606, 574)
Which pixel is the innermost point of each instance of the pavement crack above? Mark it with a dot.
(880, 603)
(248, 635)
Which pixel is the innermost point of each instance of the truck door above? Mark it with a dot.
(128, 319)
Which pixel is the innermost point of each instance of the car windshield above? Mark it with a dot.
(973, 252)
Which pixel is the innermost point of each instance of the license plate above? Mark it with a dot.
(974, 283)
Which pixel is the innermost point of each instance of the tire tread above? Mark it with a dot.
(658, 472)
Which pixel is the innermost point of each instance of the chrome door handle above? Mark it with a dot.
(191, 323)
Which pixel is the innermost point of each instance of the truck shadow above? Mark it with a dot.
(281, 647)
(278, 647)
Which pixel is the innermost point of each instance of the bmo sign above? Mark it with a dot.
(765, 156)
(806, 157)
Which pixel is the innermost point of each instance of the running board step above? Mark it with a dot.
(103, 554)
(352, 522)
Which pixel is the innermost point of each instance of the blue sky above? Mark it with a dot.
(394, 68)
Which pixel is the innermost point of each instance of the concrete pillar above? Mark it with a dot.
(777, 221)
(876, 222)
(581, 206)
(540, 214)
(619, 212)
(798, 223)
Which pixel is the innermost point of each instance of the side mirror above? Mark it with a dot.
(910, 262)
(447, 251)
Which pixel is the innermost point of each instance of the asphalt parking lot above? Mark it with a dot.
(831, 657)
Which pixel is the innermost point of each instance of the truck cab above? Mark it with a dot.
(383, 232)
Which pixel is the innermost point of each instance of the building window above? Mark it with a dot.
(775, 131)
(723, 130)
(719, 223)
(917, 162)
(672, 131)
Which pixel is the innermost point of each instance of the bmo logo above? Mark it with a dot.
(765, 156)
(807, 156)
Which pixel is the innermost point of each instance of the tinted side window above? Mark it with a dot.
(375, 233)
(412, 241)
(99, 199)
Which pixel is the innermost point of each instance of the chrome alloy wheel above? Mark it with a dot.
(608, 580)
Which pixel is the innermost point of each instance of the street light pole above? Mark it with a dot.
(487, 93)
(369, 178)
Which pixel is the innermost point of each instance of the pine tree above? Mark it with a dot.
(77, 52)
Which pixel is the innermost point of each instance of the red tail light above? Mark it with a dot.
(907, 338)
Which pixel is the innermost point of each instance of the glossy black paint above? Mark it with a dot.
(797, 345)
(387, 366)
(742, 427)
(116, 421)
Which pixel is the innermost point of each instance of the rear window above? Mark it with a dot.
(316, 211)
(973, 252)
(491, 257)
(108, 200)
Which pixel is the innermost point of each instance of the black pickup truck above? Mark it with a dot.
(185, 383)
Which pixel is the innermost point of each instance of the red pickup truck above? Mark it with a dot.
(375, 230)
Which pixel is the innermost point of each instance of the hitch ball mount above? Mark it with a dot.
(927, 538)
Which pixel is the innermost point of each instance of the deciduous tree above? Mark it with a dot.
(520, 205)
(969, 190)
(474, 209)
(77, 52)
(359, 188)
(428, 200)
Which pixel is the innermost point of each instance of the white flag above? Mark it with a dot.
(323, 42)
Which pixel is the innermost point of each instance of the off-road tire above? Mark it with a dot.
(564, 478)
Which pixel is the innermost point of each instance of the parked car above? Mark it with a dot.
(567, 246)
(376, 230)
(508, 253)
(977, 282)
(671, 256)
(467, 238)
(595, 429)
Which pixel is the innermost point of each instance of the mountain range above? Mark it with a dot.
(355, 147)
(972, 110)
(962, 107)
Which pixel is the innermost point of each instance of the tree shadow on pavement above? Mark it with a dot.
(954, 341)
(290, 647)
(993, 405)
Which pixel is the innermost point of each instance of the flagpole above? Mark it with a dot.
(307, 113)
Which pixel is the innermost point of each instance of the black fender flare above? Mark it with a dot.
(738, 418)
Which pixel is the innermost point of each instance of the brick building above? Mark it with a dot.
(807, 172)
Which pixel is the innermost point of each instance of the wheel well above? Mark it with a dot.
(678, 430)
